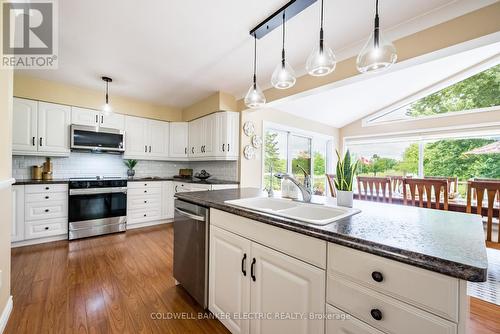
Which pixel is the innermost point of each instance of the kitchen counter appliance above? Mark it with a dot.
(96, 206)
(191, 249)
(97, 139)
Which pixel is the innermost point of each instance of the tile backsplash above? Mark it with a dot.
(111, 165)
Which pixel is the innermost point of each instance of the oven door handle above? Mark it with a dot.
(190, 215)
(95, 191)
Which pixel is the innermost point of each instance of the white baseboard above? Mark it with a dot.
(4, 317)
(147, 224)
(38, 241)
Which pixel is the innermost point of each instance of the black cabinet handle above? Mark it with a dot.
(47, 210)
(243, 264)
(149, 148)
(145, 184)
(46, 197)
(223, 147)
(185, 150)
(145, 191)
(144, 215)
(46, 188)
(192, 150)
(175, 188)
(377, 276)
(228, 147)
(46, 228)
(102, 119)
(146, 148)
(41, 141)
(33, 141)
(376, 314)
(252, 268)
(145, 201)
(96, 118)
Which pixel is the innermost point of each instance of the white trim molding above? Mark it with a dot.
(7, 183)
(4, 317)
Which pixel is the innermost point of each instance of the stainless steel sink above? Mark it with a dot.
(316, 214)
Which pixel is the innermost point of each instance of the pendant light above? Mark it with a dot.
(377, 54)
(283, 76)
(107, 107)
(321, 60)
(255, 97)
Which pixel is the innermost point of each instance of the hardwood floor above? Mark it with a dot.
(112, 284)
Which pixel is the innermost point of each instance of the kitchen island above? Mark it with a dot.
(388, 269)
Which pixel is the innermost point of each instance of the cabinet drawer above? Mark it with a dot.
(430, 291)
(302, 247)
(339, 322)
(45, 210)
(45, 197)
(396, 316)
(143, 215)
(49, 228)
(143, 185)
(144, 191)
(45, 188)
(137, 202)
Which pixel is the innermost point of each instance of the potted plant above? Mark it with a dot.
(131, 163)
(344, 179)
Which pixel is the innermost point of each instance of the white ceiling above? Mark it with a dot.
(342, 105)
(177, 52)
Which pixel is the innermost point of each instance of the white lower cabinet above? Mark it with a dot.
(246, 278)
(167, 199)
(17, 231)
(338, 322)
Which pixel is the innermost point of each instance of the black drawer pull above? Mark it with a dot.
(243, 264)
(144, 215)
(46, 197)
(145, 201)
(377, 276)
(47, 210)
(46, 188)
(145, 191)
(33, 141)
(376, 314)
(46, 228)
(223, 147)
(145, 184)
(252, 270)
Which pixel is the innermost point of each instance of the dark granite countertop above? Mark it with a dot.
(450, 243)
(135, 179)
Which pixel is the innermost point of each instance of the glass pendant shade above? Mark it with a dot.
(107, 109)
(255, 98)
(376, 56)
(321, 61)
(283, 76)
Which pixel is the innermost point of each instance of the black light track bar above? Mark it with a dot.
(292, 8)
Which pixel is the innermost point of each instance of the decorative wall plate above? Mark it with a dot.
(249, 128)
(249, 152)
(256, 141)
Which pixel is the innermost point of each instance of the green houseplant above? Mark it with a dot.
(131, 163)
(344, 179)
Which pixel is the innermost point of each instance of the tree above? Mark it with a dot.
(409, 164)
(381, 164)
(271, 154)
(319, 164)
(479, 91)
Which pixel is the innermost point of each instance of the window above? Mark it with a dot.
(479, 92)
(454, 155)
(295, 151)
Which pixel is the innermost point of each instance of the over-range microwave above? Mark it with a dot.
(97, 139)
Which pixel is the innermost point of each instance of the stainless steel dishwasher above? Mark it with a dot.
(191, 249)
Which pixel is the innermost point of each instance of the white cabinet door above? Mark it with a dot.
(233, 134)
(178, 142)
(17, 233)
(54, 121)
(112, 121)
(229, 284)
(135, 137)
(227, 135)
(208, 124)
(24, 125)
(195, 138)
(82, 116)
(158, 139)
(167, 199)
(282, 284)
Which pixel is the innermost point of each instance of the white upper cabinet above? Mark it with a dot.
(178, 143)
(227, 135)
(90, 117)
(24, 122)
(158, 139)
(136, 146)
(40, 128)
(54, 121)
(208, 133)
(195, 138)
(82, 116)
(146, 139)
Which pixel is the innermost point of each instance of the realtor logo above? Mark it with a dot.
(29, 37)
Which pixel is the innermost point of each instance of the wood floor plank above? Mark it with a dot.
(112, 284)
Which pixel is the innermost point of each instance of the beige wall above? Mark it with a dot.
(215, 102)
(56, 92)
(461, 29)
(251, 170)
(5, 173)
